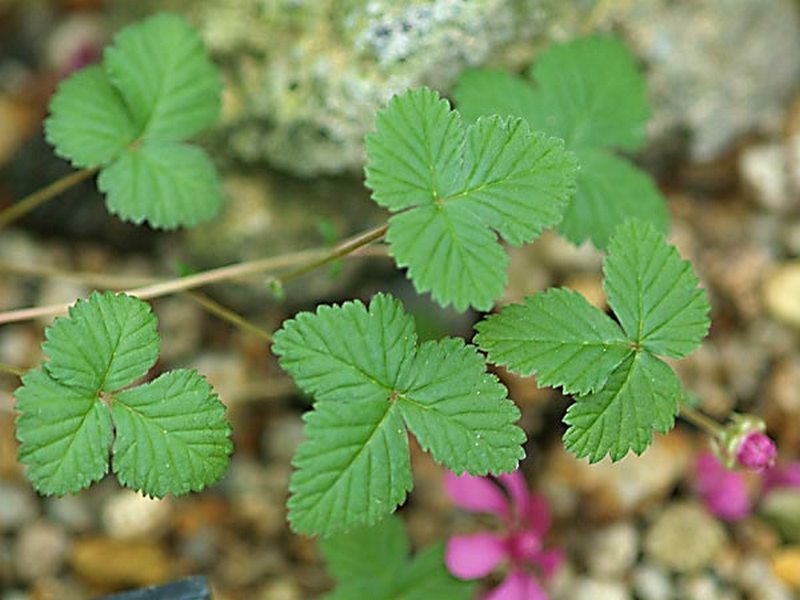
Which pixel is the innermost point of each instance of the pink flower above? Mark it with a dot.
(756, 452)
(725, 492)
(526, 518)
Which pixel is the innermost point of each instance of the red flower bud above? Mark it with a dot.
(756, 452)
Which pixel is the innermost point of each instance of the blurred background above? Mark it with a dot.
(303, 79)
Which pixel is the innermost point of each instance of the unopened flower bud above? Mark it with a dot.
(756, 451)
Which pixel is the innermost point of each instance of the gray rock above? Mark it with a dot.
(18, 505)
(718, 68)
(305, 77)
(651, 583)
(40, 550)
(72, 512)
(612, 551)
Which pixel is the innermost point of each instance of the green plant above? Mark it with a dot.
(166, 436)
(128, 118)
(373, 562)
(589, 93)
(454, 191)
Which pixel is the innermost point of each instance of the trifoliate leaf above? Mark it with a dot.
(368, 376)
(166, 77)
(590, 93)
(558, 336)
(167, 184)
(374, 562)
(610, 191)
(566, 342)
(172, 435)
(640, 397)
(157, 86)
(460, 188)
(458, 412)
(64, 434)
(653, 292)
(89, 124)
(104, 344)
(352, 470)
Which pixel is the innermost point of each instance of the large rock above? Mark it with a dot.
(305, 77)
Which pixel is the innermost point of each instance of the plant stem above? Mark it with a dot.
(102, 280)
(344, 249)
(702, 421)
(28, 203)
(308, 260)
(11, 370)
(226, 314)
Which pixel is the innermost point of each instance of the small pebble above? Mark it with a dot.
(18, 505)
(764, 170)
(72, 512)
(781, 292)
(651, 583)
(684, 538)
(586, 588)
(786, 566)
(612, 551)
(40, 550)
(129, 515)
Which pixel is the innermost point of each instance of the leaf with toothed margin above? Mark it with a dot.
(558, 336)
(131, 116)
(371, 382)
(624, 392)
(590, 92)
(172, 435)
(64, 434)
(167, 436)
(104, 344)
(460, 189)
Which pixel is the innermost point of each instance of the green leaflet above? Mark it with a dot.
(624, 392)
(155, 88)
(558, 336)
(375, 562)
(167, 436)
(371, 381)
(460, 188)
(104, 344)
(590, 93)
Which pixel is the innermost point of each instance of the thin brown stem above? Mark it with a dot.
(39, 197)
(701, 420)
(308, 261)
(11, 370)
(344, 249)
(100, 280)
(226, 314)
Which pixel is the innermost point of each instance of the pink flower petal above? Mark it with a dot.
(537, 517)
(517, 586)
(782, 476)
(517, 488)
(476, 494)
(723, 492)
(550, 561)
(473, 556)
